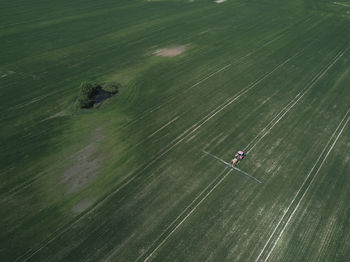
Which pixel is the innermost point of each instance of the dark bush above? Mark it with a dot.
(86, 94)
(92, 93)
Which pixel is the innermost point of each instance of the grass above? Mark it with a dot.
(128, 181)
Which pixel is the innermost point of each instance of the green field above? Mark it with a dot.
(127, 180)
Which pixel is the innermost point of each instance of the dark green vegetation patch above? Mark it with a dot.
(92, 93)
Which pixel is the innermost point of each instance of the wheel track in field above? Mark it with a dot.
(299, 196)
(28, 255)
(173, 226)
(294, 101)
(208, 190)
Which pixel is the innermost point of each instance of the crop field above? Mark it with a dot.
(127, 180)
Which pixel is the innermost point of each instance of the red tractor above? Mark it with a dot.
(238, 157)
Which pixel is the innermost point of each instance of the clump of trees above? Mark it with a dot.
(88, 92)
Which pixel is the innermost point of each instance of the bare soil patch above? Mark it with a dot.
(171, 51)
(83, 172)
(85, 168)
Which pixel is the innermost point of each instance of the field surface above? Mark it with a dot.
(128, 180)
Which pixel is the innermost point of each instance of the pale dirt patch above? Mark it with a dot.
(86, 166)
(83, 204)
(83, 171)
(171, 51)
(220, 1)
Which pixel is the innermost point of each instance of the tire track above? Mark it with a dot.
(294, 101)
(173, 225)
(192, 210)
(341, 4)
(299, 196)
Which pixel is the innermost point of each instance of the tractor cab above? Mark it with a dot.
(240, 155)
